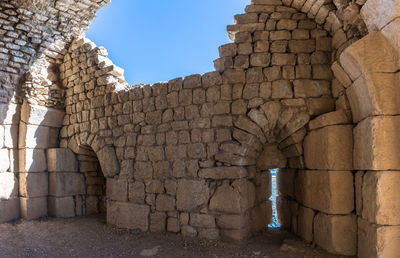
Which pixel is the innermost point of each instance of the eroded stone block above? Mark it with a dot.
(329, 148)
(375, 144)
(329, 191)
(336, 234)
(61, 160)
(33, 208)
(33, 184)
(128, 215)
(66, 184)
(61, 207)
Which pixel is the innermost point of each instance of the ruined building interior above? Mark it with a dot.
(306, 86)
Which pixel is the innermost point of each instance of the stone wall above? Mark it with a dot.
(296, 90)
(192, 155)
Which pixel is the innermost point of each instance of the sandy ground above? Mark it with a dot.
(91, 237)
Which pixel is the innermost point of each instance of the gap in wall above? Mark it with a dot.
(272, 198)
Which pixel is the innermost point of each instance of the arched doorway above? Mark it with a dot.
(94, 201)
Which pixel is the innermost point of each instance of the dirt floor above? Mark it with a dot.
(91, 237)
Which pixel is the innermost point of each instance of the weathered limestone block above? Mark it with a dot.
(371, 54)
(285, 180)
(230, 221)
(11, 136)
(329, 148)
(33, 184)
(223, 173)
(33, 136)
(8, 186)
(128, 215)
(66, 184)
(376, 14)
(191, 195)
(271, 157)
(61, 160)
(40, 115)
(235, 234)
(4, 160)
(391, 31)
(331, 118)
(32, 160)
(235, 198)
(336, 234)
(327, 191)
(377, 241)
(261, 216)
(117, 189)
(305, 223)
(375, 144)
(33, 208)
(9, 114)
(202, 220)
(374, 94)
(158, 222)
(381, 197)
(165, 202)
(9, 210)
(311, 88)
(287, 211)
(173, 225)
(61, 207)
(108, 161)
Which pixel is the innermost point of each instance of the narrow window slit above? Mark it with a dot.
(274, 223)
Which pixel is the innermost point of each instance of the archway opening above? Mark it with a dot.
(94, 202)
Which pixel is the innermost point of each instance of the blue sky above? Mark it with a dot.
(163, 39)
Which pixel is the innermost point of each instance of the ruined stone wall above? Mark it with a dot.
(296, 90)
(34, 36)
(192, 155)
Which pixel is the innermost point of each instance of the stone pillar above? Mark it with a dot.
(325, 190)
(66, 184)
(9, 200)
(38, 130)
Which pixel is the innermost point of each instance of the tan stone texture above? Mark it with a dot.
(336, 234)
(375, 143)
(329, 148)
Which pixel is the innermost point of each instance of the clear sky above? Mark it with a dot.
(160, 40)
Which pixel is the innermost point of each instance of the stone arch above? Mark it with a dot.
(369, 70)
(105, 153)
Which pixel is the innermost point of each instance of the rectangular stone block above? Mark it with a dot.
(8, 186)
(381, 197)
(4, 160)
(61, 207)
(33, 136)
(329, 148)
(61, 160)
(305, 221)
(223, 172)
(128, 215)
(374, 94)
(66, 184)
(11, 136)
(336, 234)
(285, 179)
(9, 210)
(331, 192)
(377, 241)
(117, 189)
(33, 184)
(375, 143)
(39, 115)
(33, 208)
(9, 114)
(32, 160)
